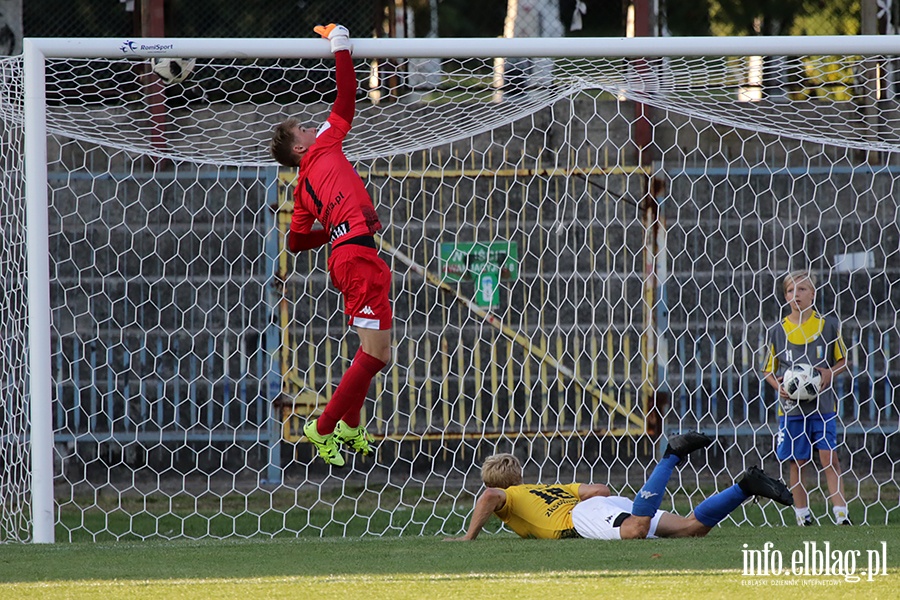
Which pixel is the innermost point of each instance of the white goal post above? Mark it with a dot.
(635, 208)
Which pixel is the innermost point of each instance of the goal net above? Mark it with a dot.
(587, 247)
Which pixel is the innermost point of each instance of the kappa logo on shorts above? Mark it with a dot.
(367, 310)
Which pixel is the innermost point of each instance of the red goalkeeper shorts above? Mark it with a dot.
(364, 280)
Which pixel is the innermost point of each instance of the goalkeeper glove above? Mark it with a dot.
(337, 34)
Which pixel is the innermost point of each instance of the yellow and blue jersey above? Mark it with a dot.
(817, 342)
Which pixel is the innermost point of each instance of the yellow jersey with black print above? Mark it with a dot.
(541, 511)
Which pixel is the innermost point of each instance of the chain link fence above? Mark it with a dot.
(197, 18)
(446, 18)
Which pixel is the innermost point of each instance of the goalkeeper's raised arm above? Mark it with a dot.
(291, 142)
(345, 102)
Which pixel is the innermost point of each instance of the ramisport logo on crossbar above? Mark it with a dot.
(814, 559)
(133, 47)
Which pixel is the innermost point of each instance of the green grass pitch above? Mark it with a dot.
(494, 566)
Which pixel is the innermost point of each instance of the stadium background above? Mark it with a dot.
(270, 19)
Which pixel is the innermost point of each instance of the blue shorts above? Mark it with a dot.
(798, 436)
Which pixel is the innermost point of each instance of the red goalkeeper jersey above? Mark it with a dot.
(329, 189)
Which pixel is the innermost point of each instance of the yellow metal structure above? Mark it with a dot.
(304, 395)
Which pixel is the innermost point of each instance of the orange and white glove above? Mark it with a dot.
(337, 34)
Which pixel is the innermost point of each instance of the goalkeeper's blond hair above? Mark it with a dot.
(796, 276)
(501, 471)
(282, 144)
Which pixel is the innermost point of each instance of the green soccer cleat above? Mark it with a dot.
(326, 444)
(355, 438)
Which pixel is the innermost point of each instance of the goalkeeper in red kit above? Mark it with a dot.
(330, 191)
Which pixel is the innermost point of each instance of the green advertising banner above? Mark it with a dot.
(485, 264)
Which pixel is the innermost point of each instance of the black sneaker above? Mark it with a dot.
(755, 482)
(806, 521)
(682, 445)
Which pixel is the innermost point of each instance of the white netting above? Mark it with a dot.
(14, 417)
(188, 347)
(227, 108)
(223, 112)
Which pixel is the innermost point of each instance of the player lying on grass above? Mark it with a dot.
(330, 191)
(577, 510)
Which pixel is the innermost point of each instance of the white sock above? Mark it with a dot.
(801, 513)
(840, 513)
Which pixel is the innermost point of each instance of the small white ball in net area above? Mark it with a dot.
(173, 70)
(801, 382)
